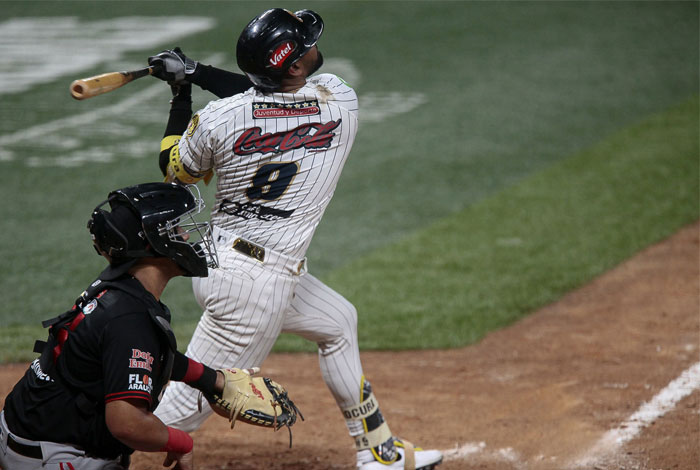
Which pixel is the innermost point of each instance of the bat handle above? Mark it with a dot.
(151, 70)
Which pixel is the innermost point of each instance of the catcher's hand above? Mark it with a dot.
(255, 400)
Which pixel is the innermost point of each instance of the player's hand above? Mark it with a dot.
(175, 67)
(184, 461)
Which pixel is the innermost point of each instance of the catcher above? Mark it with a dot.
(87, 402)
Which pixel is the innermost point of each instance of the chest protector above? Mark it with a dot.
(61, 326)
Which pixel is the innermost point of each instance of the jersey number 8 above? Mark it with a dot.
(272, 180)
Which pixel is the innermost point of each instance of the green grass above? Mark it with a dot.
(526, 246)
(500, 259)
(529, 134)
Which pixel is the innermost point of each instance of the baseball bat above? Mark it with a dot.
(99, 84)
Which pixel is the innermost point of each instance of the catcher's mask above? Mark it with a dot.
(151, 220)
(275, 40)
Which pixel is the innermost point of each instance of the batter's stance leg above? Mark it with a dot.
(320, 314)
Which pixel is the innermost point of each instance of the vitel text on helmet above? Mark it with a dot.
(279, 55)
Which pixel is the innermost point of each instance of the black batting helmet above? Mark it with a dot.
(154, 219)
(273, 41)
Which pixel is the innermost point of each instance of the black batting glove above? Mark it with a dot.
(174, 66)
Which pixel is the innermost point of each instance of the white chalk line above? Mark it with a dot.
(83, 118)
(463, 451)
(377, 110)
(36, 50)
(88, 117)
(663, 402)
(659, 405)
(478, 452)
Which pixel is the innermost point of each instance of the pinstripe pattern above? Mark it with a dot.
(223, 121)
(247, 304)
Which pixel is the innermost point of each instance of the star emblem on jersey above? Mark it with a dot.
(262, 110)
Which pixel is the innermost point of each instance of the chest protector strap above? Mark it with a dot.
(61, 326)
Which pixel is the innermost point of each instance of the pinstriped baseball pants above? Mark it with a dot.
(246, 305)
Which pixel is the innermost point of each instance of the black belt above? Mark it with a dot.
(250, 249)
(25, 450)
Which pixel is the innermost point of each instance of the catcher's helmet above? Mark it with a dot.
(273, 41)
(154, 219)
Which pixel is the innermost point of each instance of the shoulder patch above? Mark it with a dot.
(262, 110)
(192, 126)
(88, 309)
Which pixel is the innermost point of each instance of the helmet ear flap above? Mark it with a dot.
(118, 233)
(105, 235)
(313, 24)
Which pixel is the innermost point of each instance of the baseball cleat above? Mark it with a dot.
(407, 458)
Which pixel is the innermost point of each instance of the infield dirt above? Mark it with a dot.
(536, 395)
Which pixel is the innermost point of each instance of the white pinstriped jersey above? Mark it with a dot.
(277, 156)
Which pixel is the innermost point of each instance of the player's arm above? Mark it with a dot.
(130, 422)
(169, 158)
(220, 82)
(175, 68)
(132, 378)
(197, 375)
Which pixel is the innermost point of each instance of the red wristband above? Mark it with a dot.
(194, 371)
(178, 441)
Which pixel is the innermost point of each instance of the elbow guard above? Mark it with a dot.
(172, 167)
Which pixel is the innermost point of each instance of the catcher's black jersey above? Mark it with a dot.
(116, 352)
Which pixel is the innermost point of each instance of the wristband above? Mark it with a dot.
(178, 441)
(200, 377)
(194, 371)
(194, 374)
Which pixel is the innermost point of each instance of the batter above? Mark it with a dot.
(277, 141)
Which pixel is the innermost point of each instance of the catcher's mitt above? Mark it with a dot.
(255, 400)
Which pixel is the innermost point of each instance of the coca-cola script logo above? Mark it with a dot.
(279, 55)
(312, 136)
